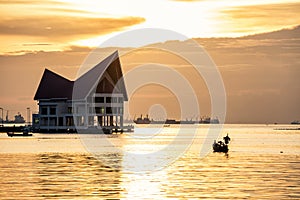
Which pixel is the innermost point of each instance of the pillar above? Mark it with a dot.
(111, 120)
(121, 120)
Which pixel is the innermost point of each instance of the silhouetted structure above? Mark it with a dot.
(95, 99)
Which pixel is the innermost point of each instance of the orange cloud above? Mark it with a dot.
(186, 0)
(260, 18)
(62, 28)
(30, 2)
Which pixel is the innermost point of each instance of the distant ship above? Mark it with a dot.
(141, 120)
(19, 119)
(295, 122)
(147, 120)
(208, 120)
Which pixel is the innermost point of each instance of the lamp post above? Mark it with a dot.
(2, 116)
(28, 116)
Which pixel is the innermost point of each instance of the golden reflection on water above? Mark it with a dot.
(237, 176)
(81, 176)
(254, 168)
(56, 175)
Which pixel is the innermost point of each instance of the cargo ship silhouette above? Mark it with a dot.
(147, 120)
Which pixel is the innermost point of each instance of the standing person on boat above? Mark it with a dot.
(226, 139)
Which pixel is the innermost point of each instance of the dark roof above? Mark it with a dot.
(53, 85)
(85, 84)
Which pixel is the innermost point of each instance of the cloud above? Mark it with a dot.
(63, 27)
(187, 0)
(64, 11)
(36, 44)
(259, 18)
(280, 34)
(31, 2)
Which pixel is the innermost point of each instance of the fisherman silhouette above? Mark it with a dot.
(226, 139)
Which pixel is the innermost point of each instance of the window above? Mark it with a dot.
(120, 110)
(52, 111)
(108, 110)
(89, 99)
(120, 99)
(60, 121)
(44, 110)
(91, 120)
(99, 110)
(70, 110)
(115, 100)
(99, 99)
(52, 121)
(80, 121)
(108, 99)
(36, 120)
(69, 121)
(44, 121)
(80, 109)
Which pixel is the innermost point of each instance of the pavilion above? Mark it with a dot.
(95, 100)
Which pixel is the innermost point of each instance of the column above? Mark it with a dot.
(111, 120)
(121, 120)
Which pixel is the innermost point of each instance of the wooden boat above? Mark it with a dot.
(13, 134)
(220, 147)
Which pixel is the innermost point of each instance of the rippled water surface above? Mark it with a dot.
(263, 163)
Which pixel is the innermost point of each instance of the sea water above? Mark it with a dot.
(262, 163)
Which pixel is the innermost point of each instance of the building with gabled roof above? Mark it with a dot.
(94, 100)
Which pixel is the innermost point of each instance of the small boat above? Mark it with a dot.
(221, 146)
(24, 133)
(13, 134)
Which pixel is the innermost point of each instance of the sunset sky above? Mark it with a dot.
(55, 25)
(58, 35)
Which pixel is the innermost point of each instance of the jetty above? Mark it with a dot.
(11, 129)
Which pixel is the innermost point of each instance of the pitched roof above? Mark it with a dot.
(53, 85)
(88, 82)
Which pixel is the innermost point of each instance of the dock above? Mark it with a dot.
(6, 129)
(87, 130)
(106, 129)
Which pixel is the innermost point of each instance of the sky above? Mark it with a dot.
(55, 25)
(58, 35)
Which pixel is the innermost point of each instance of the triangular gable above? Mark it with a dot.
(106, 85)
(89, 81)
(53, 86)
